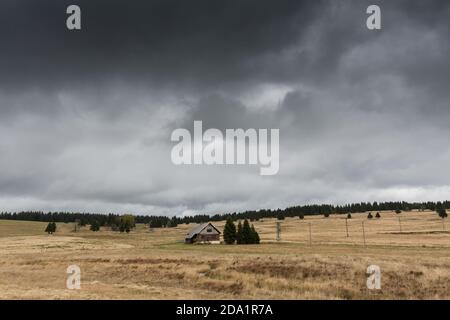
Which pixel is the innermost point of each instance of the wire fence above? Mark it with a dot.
(412, 230)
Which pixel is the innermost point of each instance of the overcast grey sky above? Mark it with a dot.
(86, 116)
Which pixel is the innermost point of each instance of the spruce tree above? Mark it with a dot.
(51, 228)
(174, 222)
(247, 235)
(369, 216)
(95, 226)
(349, 216)
(239, 233)
(441, 210)
(256, 238)
(378, 215)
(229, 232)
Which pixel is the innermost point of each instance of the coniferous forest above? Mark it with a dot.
(163, 221)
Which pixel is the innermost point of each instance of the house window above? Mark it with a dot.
(209, 230)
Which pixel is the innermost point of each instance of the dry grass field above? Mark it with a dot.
(315, 259)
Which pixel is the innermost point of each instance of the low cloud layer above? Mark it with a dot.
(86, 116)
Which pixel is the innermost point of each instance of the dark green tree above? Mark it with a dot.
(255, 237)
(239, 236)
(229, 232)
(369, 216)
(398, 211)
(378, 215)
(156, 223)
(48, 229)
(441, 210)
(247, 235)
(95, 226)
(174, 222)
(349, 215)
(51, 228)
(126, 223)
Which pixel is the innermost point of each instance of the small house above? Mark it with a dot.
(203, 233)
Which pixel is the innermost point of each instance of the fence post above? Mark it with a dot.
(364, 234)
(278, 231)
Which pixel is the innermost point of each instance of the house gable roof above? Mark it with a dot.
(199, 229)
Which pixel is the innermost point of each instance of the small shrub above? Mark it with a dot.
(51, 228)
(441, 212)
(95, 226)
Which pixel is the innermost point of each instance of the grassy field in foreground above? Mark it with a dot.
(317, 258)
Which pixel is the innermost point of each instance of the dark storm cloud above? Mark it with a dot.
(197, 43)
(160, 41)
(86, 115)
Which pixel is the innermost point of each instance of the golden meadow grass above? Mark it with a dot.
(155, 264)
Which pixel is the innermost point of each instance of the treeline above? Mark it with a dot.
(326, 210)
(163, 221)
